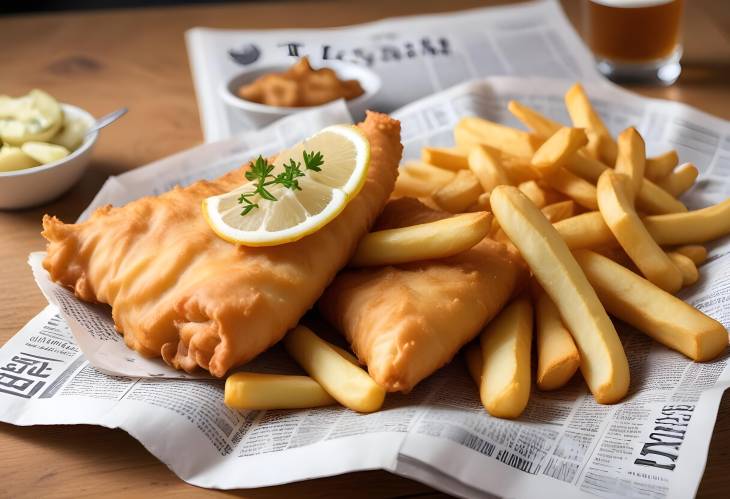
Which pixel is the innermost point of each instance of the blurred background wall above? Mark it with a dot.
(19, 6)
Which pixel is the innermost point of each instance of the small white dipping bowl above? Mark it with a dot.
(261, 114)
(36, 185)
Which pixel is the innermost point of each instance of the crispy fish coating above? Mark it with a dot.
(406, 321)
(179, 291)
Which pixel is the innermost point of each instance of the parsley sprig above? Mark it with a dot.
(260, 173)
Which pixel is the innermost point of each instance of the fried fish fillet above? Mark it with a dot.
(406, 321)
(179, 291)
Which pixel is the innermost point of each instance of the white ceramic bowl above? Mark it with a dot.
(262, 114)
(39, 184)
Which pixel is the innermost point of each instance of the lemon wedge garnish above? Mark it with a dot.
(321, 196)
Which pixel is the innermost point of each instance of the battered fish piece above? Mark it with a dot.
(179, 291)
(406, 321)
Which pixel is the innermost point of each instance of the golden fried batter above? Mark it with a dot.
(406, 321)
(179, 291)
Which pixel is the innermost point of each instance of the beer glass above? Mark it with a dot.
(635, 40)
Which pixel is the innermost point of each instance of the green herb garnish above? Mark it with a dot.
(260, 173)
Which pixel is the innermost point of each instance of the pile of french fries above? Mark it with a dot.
(598, 223)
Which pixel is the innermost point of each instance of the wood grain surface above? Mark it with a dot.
(103, 60)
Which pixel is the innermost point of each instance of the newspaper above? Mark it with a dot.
(58, 369)
(411, 57)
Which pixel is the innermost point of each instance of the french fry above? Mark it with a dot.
(660, 166)
(631, 159)
(408, 185)
(445, 157)
(418, 179)
(518, 169)
(534, 192)
(692, 227)
(501, 237)
(432, 174)
(346, 354)
(348, 384)
(473, 131)
(427, 241)
(619, 214)
(654, 200)
(495, 225)
(600, 143)
(460, 193)
(603, 361)
(587, 230)
(466, 139)
(687, 267)
(558, 149)
(679, 181)
(618, 255)
(650, 198)
(506, 344)
(579, 190)
(559, 211)
(664, 317)
(485, 165)
(542, 126)
(254, 391)
(557, 355)
(585, 167)
(473, 358)
(695, 252)
(483, 202)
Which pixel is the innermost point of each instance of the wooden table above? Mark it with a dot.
(137, 58)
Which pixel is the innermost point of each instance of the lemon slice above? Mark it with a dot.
(296, 212)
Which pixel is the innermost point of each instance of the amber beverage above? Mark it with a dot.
(636, 39)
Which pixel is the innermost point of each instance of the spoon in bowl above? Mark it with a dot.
(107, 119)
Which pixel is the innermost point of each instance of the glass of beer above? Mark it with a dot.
(635, 40)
